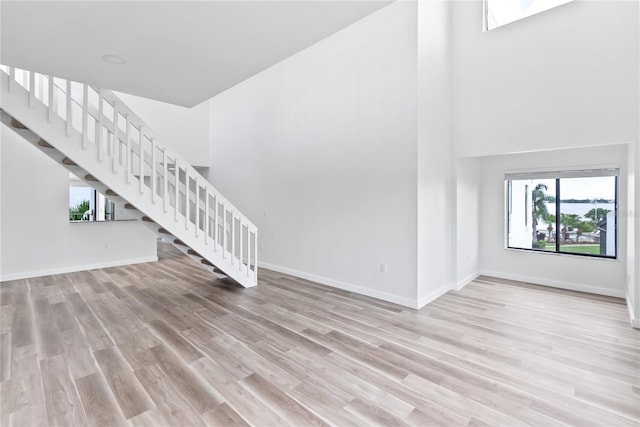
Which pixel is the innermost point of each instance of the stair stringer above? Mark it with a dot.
(51, 128)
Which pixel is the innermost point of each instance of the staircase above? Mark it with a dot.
(93, 134)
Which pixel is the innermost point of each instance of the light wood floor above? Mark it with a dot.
(163, 344)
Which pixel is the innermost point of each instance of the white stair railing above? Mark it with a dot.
(121, 140)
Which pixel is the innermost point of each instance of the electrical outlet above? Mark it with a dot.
(383, 268)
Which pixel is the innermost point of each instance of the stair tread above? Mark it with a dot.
(16, 124)
(147, 219)
(111, 193)
(67, 161)
(90, 178)
(45, 144)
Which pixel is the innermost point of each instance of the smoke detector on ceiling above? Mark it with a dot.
(113, 59)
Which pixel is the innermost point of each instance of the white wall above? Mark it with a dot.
(602, 276)
(36, 236)
(436, 199)
(636, 216)
(633, 241)
(467, 222)
(320, 152)
(564, 78)
(186, 130)
(633, 235)
(635, 269)
(631, 232)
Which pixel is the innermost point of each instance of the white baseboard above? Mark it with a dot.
(464, 282)
(72, 269)
(432, 296)
(406, 302)
(444, 289)
(555, 283)
(635, 323)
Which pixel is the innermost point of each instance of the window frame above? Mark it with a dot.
(558, 176)
(93, 201)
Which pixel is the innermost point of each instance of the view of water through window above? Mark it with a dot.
(566, 215)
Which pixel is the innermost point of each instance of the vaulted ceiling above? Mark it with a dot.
(181, 52)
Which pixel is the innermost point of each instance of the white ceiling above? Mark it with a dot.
(180, 52)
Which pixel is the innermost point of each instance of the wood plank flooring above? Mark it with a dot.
(164, 344)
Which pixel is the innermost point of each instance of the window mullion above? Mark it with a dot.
(557, 215)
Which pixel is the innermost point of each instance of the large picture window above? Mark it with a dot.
(564, 212)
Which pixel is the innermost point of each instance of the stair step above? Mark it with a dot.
(215, 269)
(203, 261)
(129, 206)
(90, 178)
(111, 193)
(16, 124)
(179, 242)
(147, 219)
(45, 144)
(69, 162)
(163, 231)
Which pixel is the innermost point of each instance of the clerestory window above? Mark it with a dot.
(502, 12)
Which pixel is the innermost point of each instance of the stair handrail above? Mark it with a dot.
(111, 97)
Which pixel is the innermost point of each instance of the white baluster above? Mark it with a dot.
(197, 204)
(99, 126)
(224, 232)
(233, 240)
(153, 180)
(85, 116)
(240, 246)
(206, 215)
(127, 157)
(248, 251)
(165, 181)
(255, 255)
(176, 187)
(32, 86)
(187, 201)
(50, 95)
(216, 222)
(115, 146)
(69, 108)
(96, 132)
(12, 77)
(141, 152)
